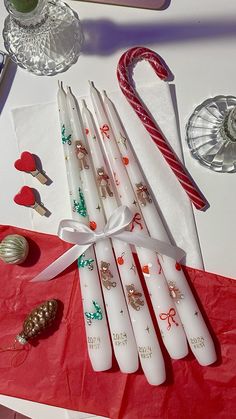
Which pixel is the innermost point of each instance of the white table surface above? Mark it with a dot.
(197, 39)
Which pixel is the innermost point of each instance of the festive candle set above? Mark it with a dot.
(113, 208)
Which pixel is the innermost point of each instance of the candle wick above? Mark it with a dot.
(69, 89)
(60, 84)
(104, 93)
(91, 83)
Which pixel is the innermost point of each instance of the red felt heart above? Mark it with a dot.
(26, 163)
(25, 197)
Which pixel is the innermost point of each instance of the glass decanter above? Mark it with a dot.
(42, 36)
(211, 133)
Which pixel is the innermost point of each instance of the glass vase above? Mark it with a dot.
(42, 36)
(211, 134)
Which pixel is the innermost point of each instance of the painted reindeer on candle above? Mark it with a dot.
(142, 194)
(103, 183)
(106, 276)
(81, 154)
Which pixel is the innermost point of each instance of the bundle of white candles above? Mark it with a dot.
(103, 173)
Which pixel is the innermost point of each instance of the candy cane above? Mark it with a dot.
(128, 59)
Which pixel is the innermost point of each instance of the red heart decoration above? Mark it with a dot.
(25, 197)
(26, 163)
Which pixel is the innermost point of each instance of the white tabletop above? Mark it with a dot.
(197, 41)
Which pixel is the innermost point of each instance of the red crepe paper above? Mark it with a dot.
(57, 370)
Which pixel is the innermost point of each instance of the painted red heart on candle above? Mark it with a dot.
(26, 163)
(25, 197)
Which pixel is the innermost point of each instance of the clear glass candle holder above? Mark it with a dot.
(211, 134)
(43, 36)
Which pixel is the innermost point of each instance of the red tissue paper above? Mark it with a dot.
(57, 371)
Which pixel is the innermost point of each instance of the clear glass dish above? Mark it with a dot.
(46, 40)
(211, 134)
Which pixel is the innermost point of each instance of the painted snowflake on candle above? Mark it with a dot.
(175, 292)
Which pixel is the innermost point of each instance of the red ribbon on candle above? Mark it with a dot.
(104, 130)
(169, 317)
(136, 220)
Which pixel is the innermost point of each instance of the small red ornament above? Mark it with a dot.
(86, 131)
(178, 266)
(125, 161)
(120, 259)
(26, 163)
(146, 270)
(93, 225)
(25, 197)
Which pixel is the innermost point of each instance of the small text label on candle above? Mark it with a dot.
(198, 342)
(145, 351)
(94, 342)
(120, 339)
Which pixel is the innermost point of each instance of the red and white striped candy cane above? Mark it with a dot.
(128, 59)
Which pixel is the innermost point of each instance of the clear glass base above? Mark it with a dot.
(211, 134)
(50, 44)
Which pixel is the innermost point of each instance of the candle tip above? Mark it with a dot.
(68, 89)
(60, 84)
(104, 93)
(91, 83)
(84, 103)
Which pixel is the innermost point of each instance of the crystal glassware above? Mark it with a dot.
(211, 133)
(42, 36)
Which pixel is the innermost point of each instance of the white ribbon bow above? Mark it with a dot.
(83, 237)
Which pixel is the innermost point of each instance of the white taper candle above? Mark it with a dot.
(98, 340)
(122, 335)
(195, 328)
(149, 350)
(167, 317)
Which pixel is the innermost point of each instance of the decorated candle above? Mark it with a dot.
(165, 311)
(195, 328)
(124, 344)
(149, 350)
(98, 341)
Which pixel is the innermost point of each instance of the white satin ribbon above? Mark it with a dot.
(83, 237)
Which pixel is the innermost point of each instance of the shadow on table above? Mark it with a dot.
(6, 83)
(104, 37)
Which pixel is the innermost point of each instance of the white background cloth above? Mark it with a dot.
(197, 41)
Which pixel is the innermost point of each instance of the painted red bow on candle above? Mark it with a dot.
(104, 130)
(169, 317)
(136, 220)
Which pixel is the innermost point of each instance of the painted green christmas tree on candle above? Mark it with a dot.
(24, 6)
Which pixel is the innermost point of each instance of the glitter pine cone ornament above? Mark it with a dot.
(39, 319)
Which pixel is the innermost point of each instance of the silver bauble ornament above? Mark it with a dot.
(14, 249)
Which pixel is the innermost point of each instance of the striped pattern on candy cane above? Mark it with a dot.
(127, 60)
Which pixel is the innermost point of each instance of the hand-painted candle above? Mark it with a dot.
(120, 326)
(180, 291)
(173, 337)
(149, 350)
(98, 341)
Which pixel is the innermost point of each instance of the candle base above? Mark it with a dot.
(211, 134)
(46, 42)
